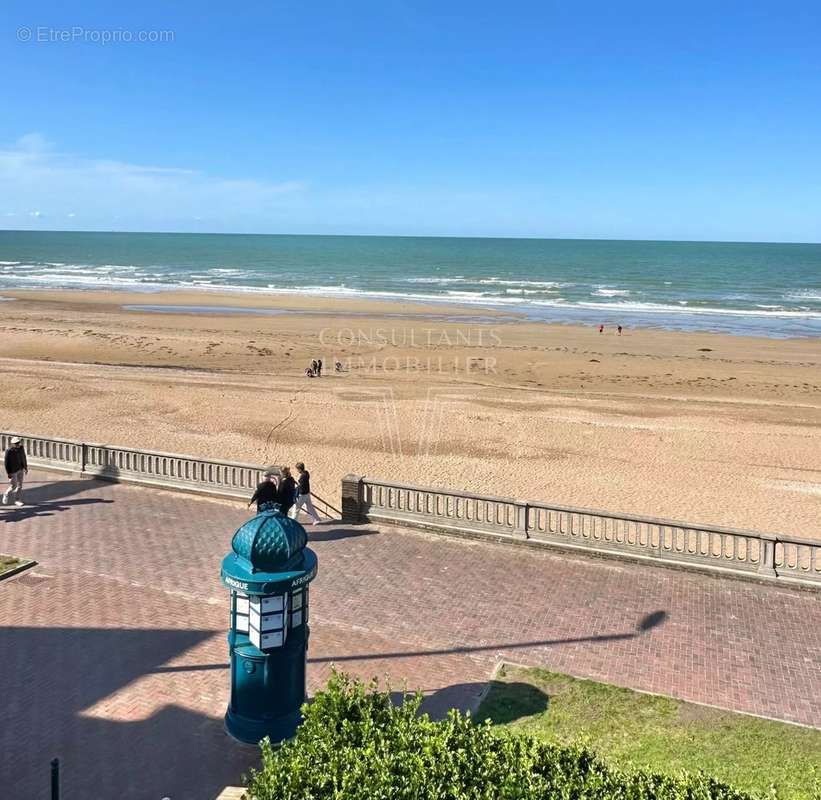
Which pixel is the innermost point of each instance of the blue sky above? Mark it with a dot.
(611, 120)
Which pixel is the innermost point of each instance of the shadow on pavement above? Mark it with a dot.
(62, 697)
(192, 668)
(44, 498)
(44, 509)
(49, 491)
(646, 623)
(317, 534)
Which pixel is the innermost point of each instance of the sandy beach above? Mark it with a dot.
(705, 428)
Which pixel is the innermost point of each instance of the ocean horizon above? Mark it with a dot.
(745, 288)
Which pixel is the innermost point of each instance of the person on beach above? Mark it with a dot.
(601, 328)
(619, 329)
(309, 373)
(303, 499)
(319, 368)
(314, 366)
(286, 493)
(266, 492)
(16, 468)
(338, 366)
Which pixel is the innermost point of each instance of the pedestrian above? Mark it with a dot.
(601, 328)
(286, 494)
(267, 490)
(314, 366)
(619, 330)
(319, 368)
(303, 498)
(16, 467)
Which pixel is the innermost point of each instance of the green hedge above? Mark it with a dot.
(355, 744)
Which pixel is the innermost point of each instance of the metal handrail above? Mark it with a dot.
(318, 499)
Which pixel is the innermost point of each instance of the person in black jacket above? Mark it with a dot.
(16, 468)
(267, 490)
(286, 494)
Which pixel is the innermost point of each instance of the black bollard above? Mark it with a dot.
(55, 779)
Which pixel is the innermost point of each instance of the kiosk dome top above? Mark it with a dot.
(270, 541)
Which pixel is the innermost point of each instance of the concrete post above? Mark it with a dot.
(521, 519)
(766, 565)
(352, 500)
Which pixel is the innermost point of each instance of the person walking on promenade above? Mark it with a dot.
(267, 490)
(16, 468)
(303, 498)
(286, 494)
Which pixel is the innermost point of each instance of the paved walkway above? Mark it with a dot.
(113, 653)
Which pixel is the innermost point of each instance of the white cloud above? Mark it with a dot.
(38, 176)
(33, 143)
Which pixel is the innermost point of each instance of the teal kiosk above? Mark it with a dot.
(267, 573)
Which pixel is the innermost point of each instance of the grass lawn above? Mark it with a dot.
(630, 729)
(9, 562)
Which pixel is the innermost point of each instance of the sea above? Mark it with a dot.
(740, 288)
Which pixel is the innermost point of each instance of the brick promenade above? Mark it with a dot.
(113, 653)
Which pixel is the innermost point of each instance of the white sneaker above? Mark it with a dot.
(19, 503)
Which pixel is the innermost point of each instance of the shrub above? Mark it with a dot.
(356, 744)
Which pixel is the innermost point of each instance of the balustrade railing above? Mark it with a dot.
(58, 453)
(221, 477)
(228, 479)
(785, 559)
(746, 553)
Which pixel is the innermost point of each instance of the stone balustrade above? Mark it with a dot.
(784, 559)
(227, 479)
(59, 454)
(166, 470)
(788, 560)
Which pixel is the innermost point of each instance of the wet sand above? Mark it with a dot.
(706, 428)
